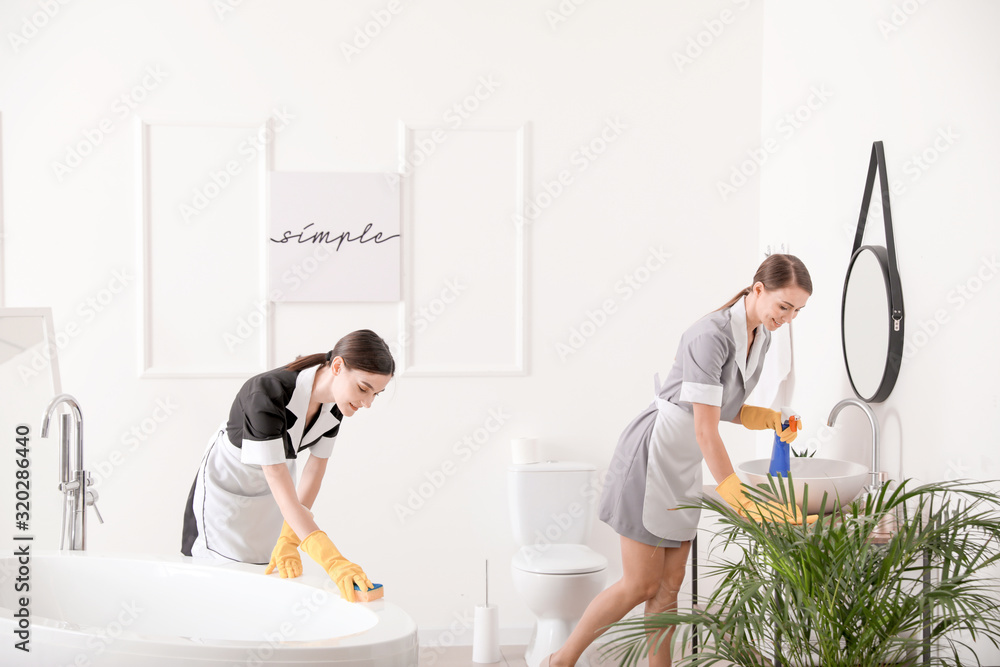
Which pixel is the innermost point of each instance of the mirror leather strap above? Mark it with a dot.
(877, 163)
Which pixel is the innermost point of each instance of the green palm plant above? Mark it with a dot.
(842, 592)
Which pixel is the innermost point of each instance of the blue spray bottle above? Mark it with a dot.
(781, 463)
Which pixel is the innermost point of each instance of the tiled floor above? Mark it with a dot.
(462, 655)
(513, 656)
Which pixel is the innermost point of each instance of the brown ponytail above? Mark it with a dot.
(362, 350)
(742, 293)
(777, 272)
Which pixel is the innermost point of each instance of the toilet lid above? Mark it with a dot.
(559, 559)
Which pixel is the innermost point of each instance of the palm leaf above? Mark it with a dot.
(828, 594)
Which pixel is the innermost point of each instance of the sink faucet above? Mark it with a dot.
(877, 477)
(75, 492)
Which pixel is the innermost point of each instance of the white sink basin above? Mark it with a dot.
(843, 481)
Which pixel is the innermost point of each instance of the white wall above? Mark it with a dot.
(683, 125)
(929, 91)
(923, 78)
(687, 125)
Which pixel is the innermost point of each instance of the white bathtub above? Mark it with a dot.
(93, 610)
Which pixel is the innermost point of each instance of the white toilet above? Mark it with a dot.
(552, 506)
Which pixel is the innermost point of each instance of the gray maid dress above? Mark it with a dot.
(657, 464)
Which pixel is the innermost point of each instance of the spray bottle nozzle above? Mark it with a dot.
(790, 419)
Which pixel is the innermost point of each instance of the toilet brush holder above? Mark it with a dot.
(486, 635)
(486, 629)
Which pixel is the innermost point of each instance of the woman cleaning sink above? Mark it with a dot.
(656, 467)
(243, 504)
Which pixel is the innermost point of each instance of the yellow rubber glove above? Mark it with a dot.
(732, 492)
(760, 419)
(285, 555)
(343, 572)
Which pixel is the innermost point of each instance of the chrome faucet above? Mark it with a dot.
(76, 494)
(877, 478)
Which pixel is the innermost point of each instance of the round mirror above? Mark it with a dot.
(872, 340)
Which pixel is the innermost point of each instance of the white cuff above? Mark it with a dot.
(709, 394)
(263, 452)
(323, 448)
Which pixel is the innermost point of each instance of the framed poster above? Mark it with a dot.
(334, 237)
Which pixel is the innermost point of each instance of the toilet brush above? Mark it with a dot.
(486, 629)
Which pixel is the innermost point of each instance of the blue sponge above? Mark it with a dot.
(373, 593)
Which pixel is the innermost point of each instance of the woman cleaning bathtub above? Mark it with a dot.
(657, 463)
(244, 505)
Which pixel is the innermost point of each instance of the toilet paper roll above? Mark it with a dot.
(524, 450)
(486, 635)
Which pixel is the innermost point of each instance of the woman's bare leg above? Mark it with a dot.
(642, 577)
(674, 568)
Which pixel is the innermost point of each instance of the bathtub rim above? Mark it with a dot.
(394, 632)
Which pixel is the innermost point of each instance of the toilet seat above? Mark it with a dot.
(559, 559)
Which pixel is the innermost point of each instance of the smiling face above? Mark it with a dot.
(349, 388)
(772, 308)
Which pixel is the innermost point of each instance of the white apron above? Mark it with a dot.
(237, 517)
(673, 473)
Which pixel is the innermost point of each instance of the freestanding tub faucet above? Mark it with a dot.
(75, 492)
(877, 477)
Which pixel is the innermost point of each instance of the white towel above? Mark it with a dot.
(776, 385)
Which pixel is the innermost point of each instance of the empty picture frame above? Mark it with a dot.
(201, 195)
